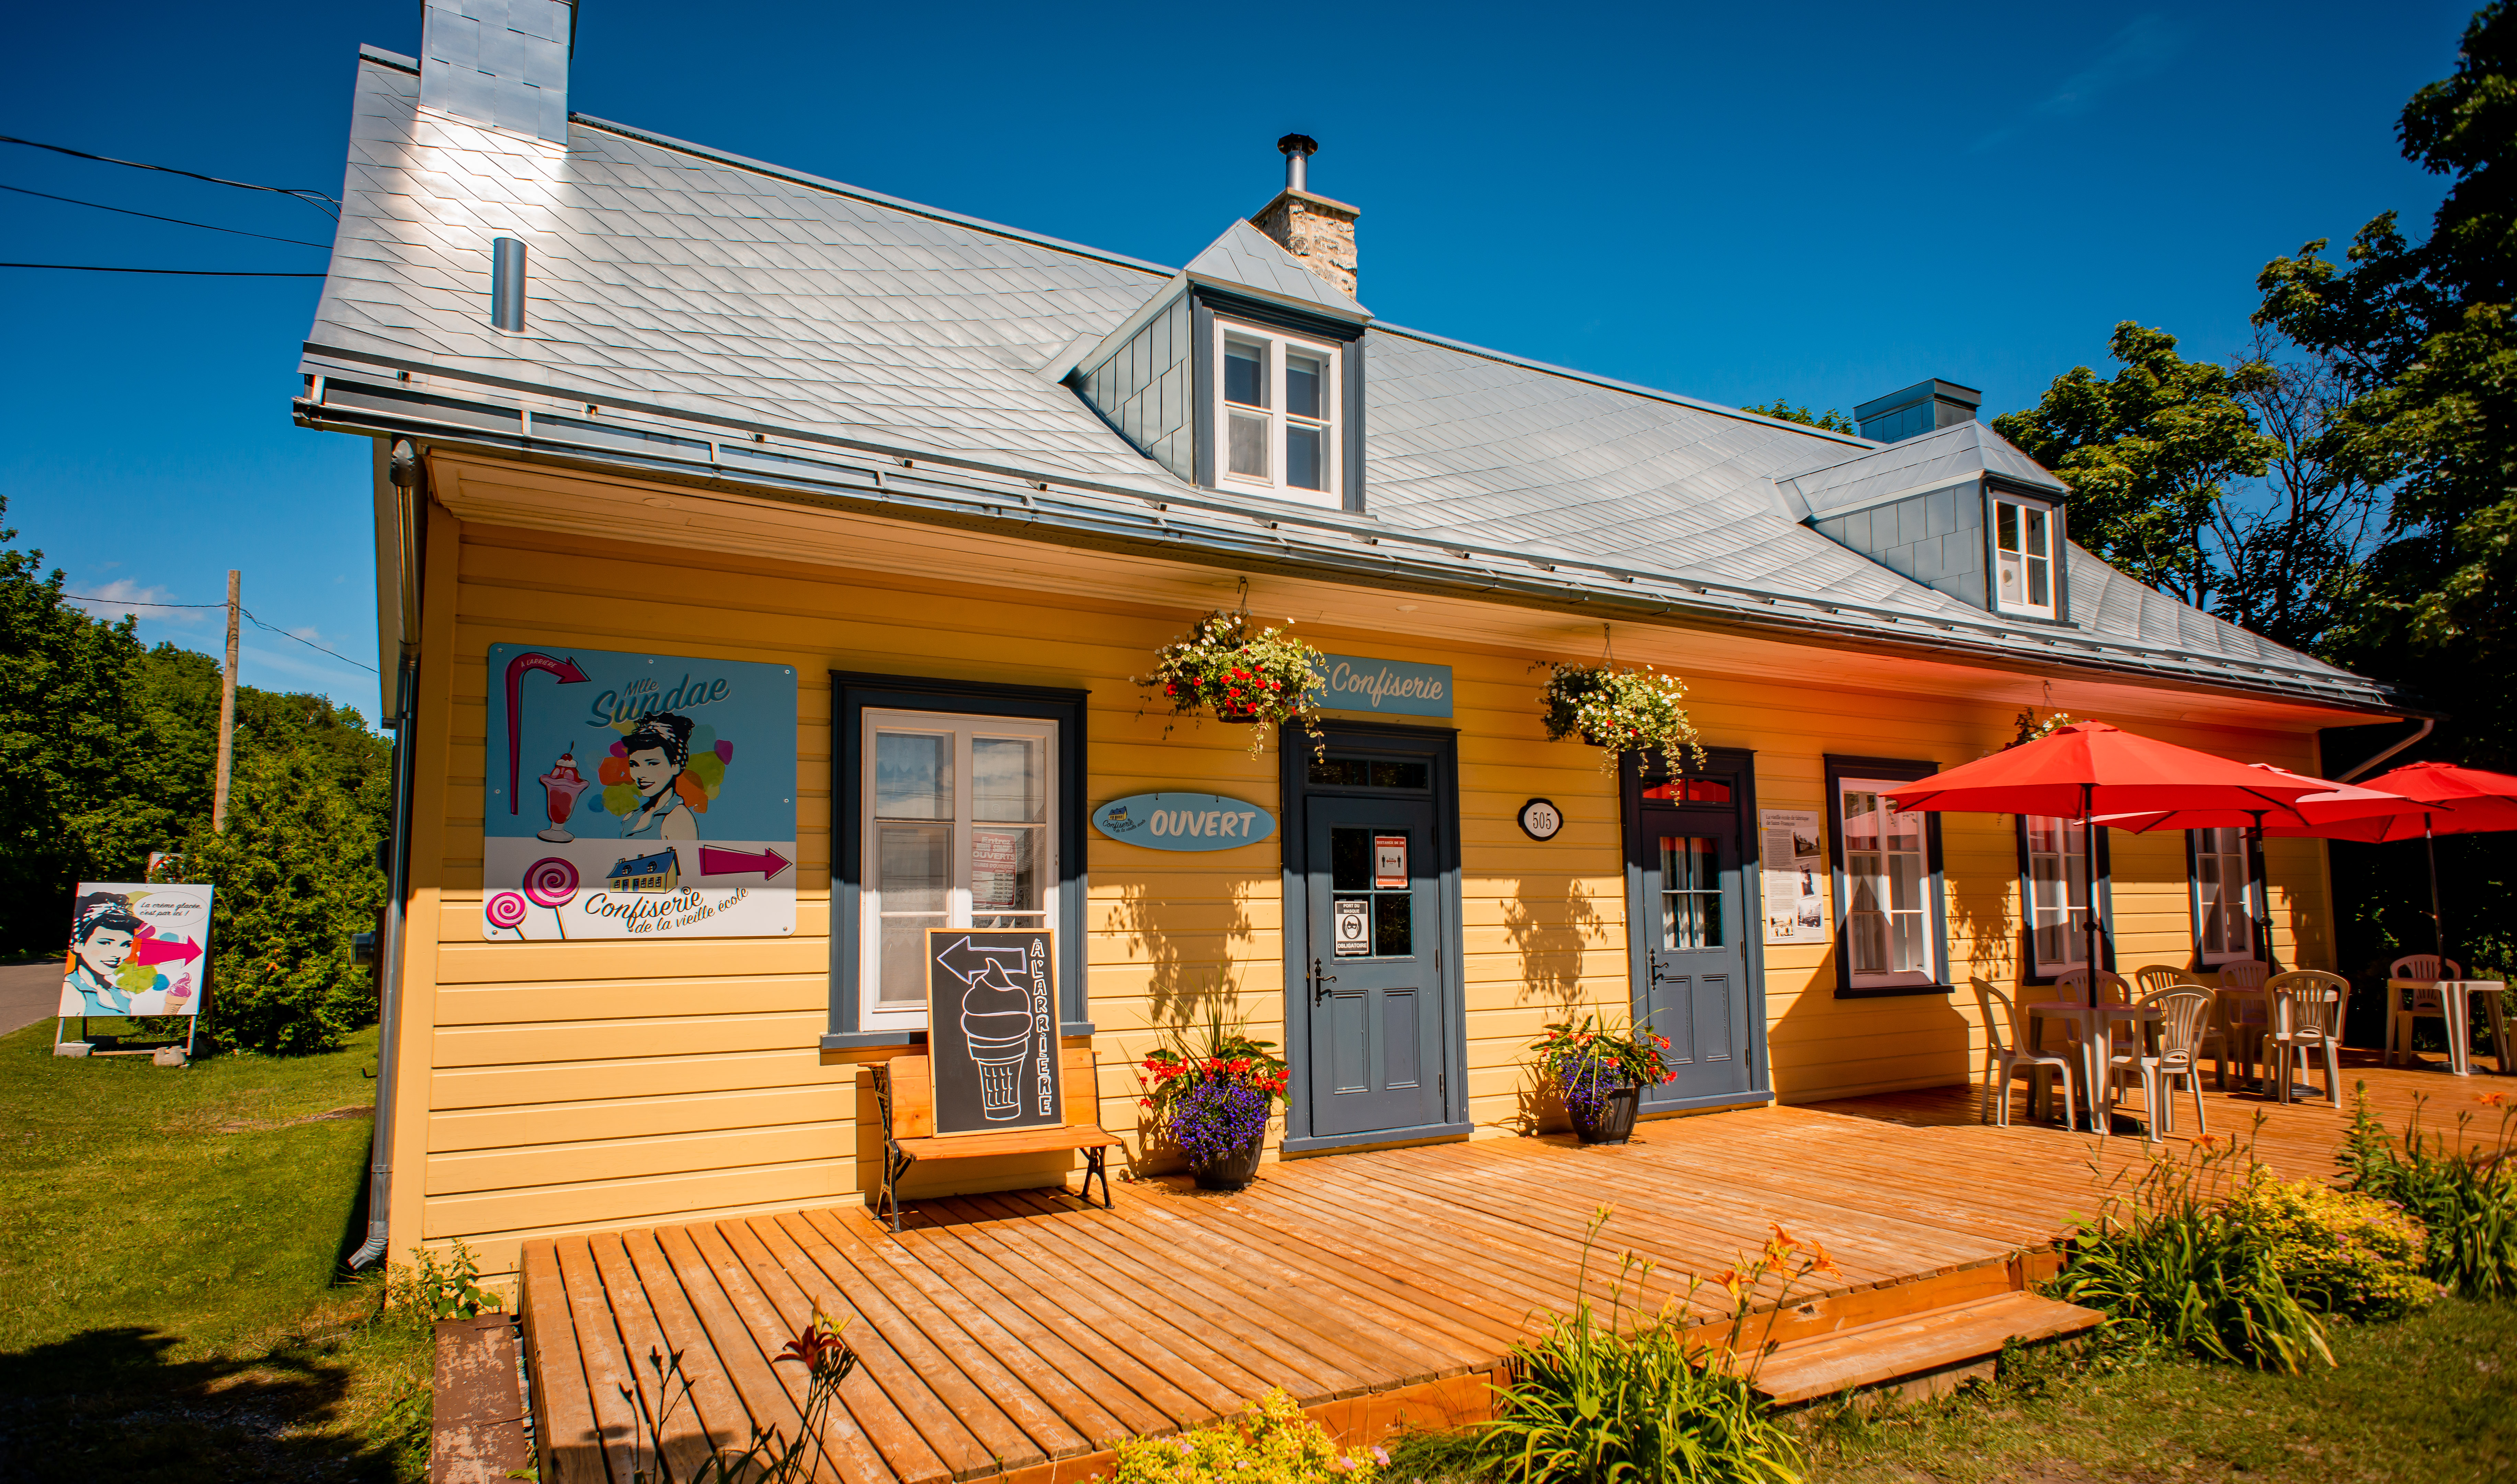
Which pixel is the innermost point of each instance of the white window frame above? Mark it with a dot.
(963, 727)
(2222, 847)
(2026, 560)
(1935, 952)
(1333, 453)
(2067, 858)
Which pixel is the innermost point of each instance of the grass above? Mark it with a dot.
(2433, 1397)
(169, 1245)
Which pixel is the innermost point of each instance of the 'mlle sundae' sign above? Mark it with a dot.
(992, 1029)
(637, 796)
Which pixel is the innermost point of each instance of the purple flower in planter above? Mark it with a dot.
(1213, 1120)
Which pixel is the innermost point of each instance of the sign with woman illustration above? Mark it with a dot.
(136, 949)
(635, 795)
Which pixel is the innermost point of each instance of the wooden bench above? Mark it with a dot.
(906, 1091)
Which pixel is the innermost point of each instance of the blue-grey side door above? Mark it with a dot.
(1376, 984)
(1695, 926)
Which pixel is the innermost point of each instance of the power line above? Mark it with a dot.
(152, 216)
(189, 273)
(315, 198)
(127, 603)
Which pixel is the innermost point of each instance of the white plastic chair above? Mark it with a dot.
(2306, 1018)
(2005, 1058)
(2183, 1020)
(2405, 1005)
(2156, 978)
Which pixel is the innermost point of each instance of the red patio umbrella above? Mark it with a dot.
(2089, 768)
(2344, 804)
(2447, 799)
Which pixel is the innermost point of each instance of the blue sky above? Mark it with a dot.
(1818, 202)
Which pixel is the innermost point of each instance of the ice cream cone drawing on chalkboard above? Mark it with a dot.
(996, 1023)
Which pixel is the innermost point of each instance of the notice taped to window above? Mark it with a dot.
(1388, 860)
(1792, 861)
(1354, 928)
(992, 1029)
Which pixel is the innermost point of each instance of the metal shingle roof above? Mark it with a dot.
(689, 284)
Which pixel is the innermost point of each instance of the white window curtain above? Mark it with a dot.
(1887, 918)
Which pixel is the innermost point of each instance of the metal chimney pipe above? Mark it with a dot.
(507, 284)
(1299, 149)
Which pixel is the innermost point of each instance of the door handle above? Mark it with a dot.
(1320, 982)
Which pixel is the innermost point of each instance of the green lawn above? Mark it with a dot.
(2426, 1401)
(168, 1245)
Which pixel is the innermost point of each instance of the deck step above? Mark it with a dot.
(1931, 1351)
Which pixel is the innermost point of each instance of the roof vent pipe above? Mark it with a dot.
(507, 284)
(1299, 149)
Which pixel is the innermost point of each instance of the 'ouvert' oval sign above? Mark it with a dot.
(1183, 822)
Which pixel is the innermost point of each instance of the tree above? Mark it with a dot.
(2289, 549)
(296, 875)
(1830, 419)
(2423, 336)
(2149, 454)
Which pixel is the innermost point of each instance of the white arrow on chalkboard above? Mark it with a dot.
(967, 963)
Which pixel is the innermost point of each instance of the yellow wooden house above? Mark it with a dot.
(940, 487)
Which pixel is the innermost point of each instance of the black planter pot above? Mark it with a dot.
(1237, 1170)
(1614, 1121)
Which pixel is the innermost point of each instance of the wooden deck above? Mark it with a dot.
(1025, 1332)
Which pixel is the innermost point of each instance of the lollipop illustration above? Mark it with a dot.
(551, 882)
(996, 1023)
(505, 910)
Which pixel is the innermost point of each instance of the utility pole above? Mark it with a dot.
(227, 710)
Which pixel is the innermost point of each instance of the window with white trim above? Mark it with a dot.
(1275, 415)
(961, 831)
(2023, 540)
(2058, 894)
(1887, 919)
(2224, 892)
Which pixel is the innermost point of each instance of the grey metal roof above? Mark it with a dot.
(758, 324)
(1246, 258)
(1927, 461)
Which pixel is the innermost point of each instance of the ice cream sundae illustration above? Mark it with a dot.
(560, 787)
(996, 1023)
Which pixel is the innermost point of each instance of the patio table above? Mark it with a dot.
(2094, 1046)
(2456, 999)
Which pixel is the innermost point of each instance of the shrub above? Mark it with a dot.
(2463, 1196)
(2166, 1256)
(2340, 1252)
(1273, 1443)
(1627, 1398)
(431, 1289)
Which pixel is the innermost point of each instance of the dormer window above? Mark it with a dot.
(2023, 540)
(1278, 398)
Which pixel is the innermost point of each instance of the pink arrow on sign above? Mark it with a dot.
(151, 948)
(531, 659)
(714, 862)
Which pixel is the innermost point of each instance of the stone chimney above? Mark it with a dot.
(502, 63)
(1312, 227)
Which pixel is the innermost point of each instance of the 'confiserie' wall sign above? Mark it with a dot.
(1391, 687)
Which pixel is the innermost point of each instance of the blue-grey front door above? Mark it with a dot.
(1694, 912)
(1375, 984)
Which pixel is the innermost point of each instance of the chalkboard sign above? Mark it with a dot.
(992, 1029)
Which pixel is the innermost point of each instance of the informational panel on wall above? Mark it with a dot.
(637, 796)
(136, 949)
(992, 1029)
(1792, 856)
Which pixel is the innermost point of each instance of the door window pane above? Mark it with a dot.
(1393, 932)
(1352, 856)
(1372, 773)
(913, 775)
(1690, 877)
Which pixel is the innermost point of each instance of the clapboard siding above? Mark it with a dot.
(567, 1086)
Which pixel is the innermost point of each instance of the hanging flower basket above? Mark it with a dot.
(1619, 710)
(1229, 669)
